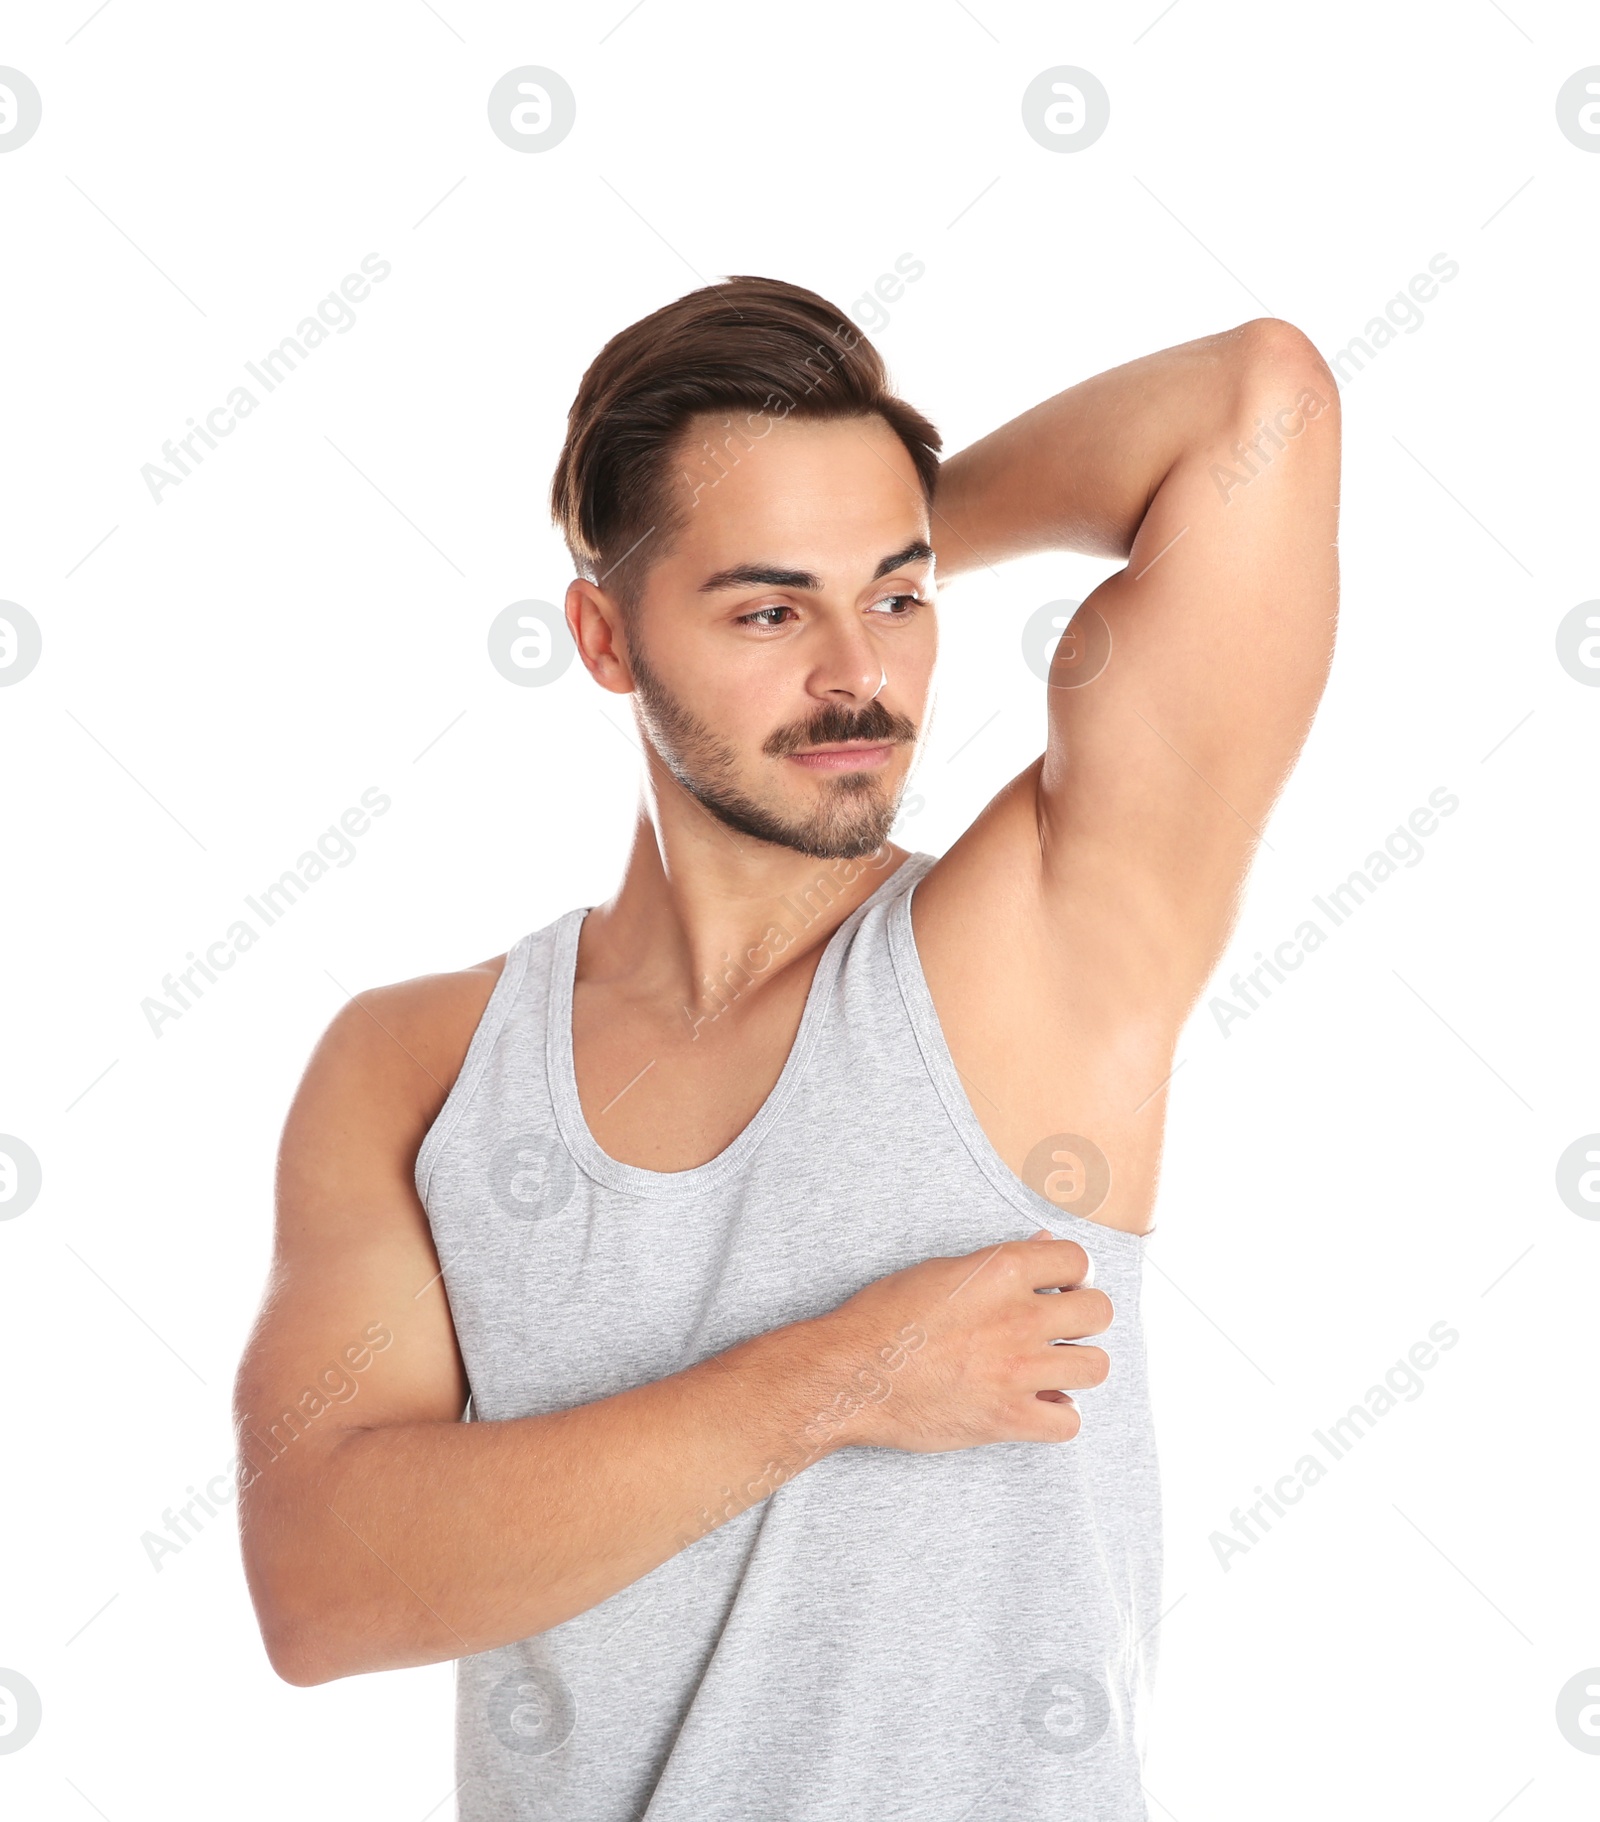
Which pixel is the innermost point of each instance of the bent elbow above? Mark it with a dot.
(1276, 357)
(298, 1653)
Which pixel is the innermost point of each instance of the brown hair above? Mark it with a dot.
(750, 342)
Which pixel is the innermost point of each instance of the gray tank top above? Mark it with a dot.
(962, 1635)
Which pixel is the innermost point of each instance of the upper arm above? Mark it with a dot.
(1185, 687)
(354, 1329)
(1160, 772)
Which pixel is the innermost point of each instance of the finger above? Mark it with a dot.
(1060, 1265)
(1068, 1366)
(1060, 1425)
(1071, 1315)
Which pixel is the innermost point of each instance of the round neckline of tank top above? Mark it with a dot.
(562, 1075)
(947, 1080)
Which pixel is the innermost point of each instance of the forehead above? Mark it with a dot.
(804, 488)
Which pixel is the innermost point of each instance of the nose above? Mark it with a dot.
(848, 666)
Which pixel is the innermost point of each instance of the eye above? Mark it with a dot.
(759, 616)
(901, 612)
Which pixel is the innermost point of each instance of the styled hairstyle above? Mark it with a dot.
(757, 346)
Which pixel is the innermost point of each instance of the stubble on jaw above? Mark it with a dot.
(856, 813)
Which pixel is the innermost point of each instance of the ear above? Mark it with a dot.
(595, 622)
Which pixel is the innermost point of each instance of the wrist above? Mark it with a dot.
(842, 1389)
(849, 1371)
(812, 1391)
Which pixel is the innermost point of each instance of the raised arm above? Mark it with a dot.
(1184, 690)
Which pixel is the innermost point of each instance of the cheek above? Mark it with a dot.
(739, 696)
(912, 677)
(749, 700)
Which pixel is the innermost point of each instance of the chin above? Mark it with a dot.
(856, 847)
(853, 820)
(829, 838)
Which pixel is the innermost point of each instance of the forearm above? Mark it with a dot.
(417, 1542)
(1078, 471)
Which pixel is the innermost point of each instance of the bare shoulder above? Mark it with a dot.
(415, 1033)
(352, 1239)
(434, 1014)
(387, 1060)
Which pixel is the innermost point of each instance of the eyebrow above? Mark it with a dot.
(773, 575)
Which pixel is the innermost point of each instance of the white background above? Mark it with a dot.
(1370, 1153)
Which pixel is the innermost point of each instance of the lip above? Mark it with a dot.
(867, 757)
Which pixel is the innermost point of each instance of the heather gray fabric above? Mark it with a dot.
(962, 1637)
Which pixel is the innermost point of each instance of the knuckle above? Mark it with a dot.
(1010, 1262)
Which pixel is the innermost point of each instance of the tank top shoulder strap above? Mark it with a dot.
(517, 1001)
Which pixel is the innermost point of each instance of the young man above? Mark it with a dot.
(729, 1202)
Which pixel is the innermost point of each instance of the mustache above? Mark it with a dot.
(834, 722)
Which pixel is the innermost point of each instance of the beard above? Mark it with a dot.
(857, 810)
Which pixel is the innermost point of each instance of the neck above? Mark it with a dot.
(704, 913)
